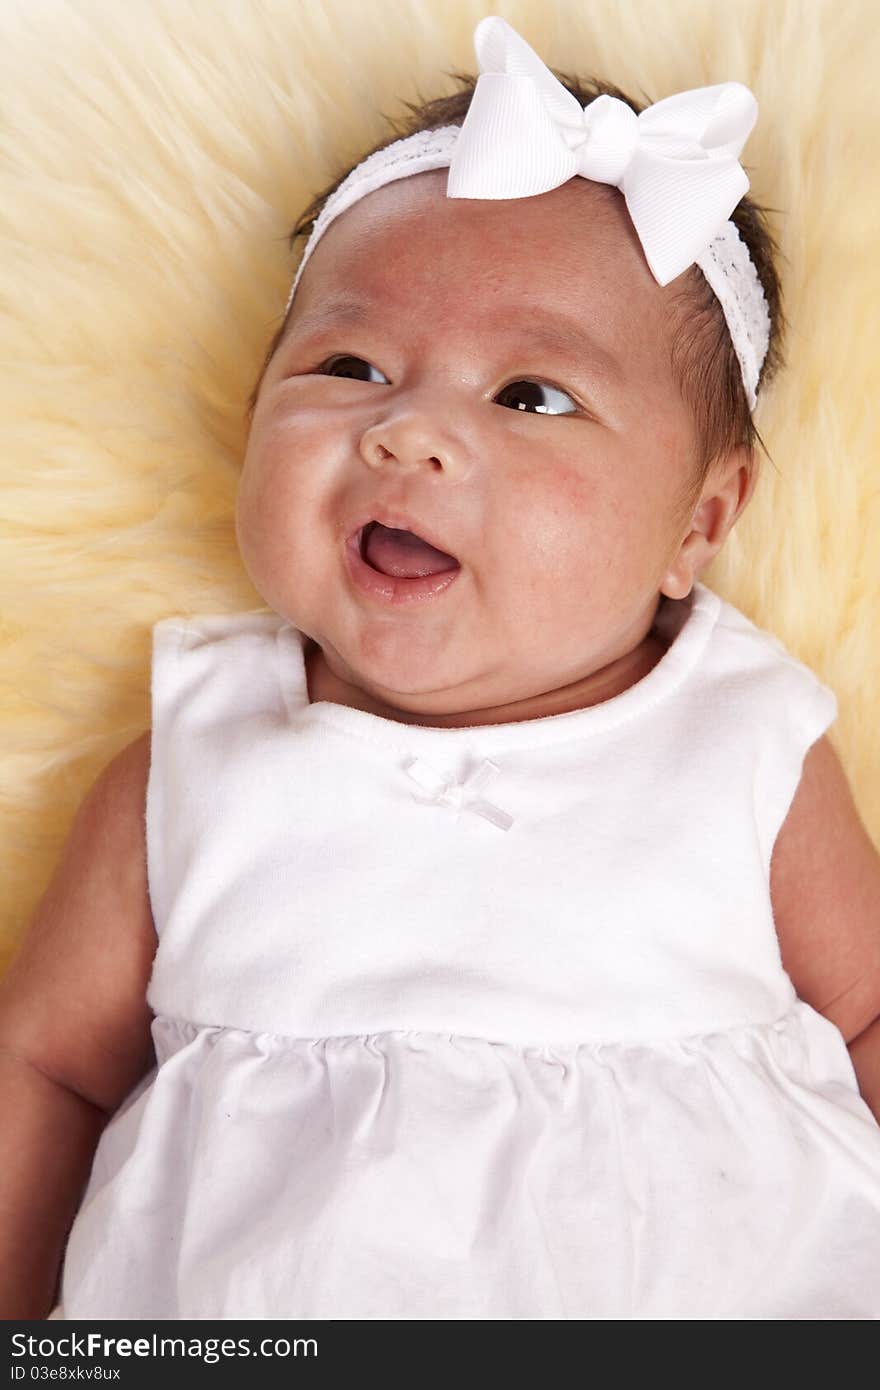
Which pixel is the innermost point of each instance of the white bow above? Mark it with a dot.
(676, 162)
(460, 794)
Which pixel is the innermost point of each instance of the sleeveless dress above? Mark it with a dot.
(479, 1023)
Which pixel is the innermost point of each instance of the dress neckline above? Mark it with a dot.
(684, 623)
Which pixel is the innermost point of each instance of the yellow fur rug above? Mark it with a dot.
(154, 156)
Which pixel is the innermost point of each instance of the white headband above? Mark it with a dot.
(676, 164)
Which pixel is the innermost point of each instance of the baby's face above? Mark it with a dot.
(512, 390)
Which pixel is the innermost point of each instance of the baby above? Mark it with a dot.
(448, 974)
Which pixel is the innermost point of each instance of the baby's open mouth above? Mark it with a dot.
(402, 554)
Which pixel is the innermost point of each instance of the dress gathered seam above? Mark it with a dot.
(522, 1045)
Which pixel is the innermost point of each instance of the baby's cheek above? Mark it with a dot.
(562, 530)
(569, 505)
(260, 523)
(268, 490)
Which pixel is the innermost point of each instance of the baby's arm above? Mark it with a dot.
(74, 1028)
(825, 889)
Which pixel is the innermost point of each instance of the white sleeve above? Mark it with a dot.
(798, 708)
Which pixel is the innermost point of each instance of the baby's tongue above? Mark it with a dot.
(403, 555)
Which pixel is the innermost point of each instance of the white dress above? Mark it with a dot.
(479, 1023)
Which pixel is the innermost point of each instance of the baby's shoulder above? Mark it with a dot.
(194, 630)
(753, 662)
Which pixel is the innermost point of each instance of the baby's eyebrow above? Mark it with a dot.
(558, 333)
(329, 313)
(553, 332)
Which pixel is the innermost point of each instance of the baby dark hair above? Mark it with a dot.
(704, 361)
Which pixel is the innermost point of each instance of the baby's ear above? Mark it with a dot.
(723, 498)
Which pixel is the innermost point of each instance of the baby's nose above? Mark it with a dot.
(414, 439)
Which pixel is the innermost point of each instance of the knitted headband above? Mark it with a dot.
(676, 164)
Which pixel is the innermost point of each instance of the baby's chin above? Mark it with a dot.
(418, 701)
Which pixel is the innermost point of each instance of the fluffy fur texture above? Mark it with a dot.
(153, 156)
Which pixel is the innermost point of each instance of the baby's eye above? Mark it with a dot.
(524, 395)
(346, 363)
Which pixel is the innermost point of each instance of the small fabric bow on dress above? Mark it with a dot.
(462, 794)
(676, 162)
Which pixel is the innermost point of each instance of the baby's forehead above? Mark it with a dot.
(573, 249)
(579, 226)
